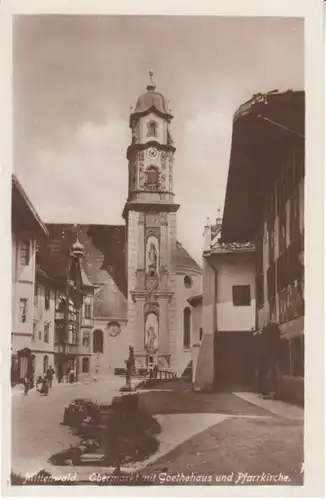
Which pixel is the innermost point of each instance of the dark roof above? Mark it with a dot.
(42, 274)
(265, 129)
(150, 101)
(182, 260)
(109, 302)
(104, 253)
(23, 213)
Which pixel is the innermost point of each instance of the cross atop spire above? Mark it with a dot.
(151, 86)
(76, 230)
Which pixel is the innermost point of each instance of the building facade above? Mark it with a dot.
(42, 345)
(225, 356)
(267, 161)
(27, 231)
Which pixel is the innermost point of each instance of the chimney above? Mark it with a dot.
(207, 235)
(219, 219)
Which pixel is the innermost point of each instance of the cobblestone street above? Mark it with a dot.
(224, 433)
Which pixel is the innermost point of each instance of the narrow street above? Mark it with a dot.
(36, 429)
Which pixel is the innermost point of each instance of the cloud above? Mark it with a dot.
(75, 78)
(84, 179)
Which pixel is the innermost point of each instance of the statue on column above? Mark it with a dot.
(152, 258)
(151, 344)
(130, 364)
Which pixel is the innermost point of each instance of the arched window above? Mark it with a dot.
(152, 129)
(98, 341)
(45, 363)
(85, 365)
(186, 327)
(152, 176)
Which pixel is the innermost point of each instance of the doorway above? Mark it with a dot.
(234, 361)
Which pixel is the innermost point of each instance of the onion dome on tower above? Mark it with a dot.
(151, 101)
(77, 249)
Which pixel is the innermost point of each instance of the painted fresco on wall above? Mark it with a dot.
(152, 256)
(151, 332)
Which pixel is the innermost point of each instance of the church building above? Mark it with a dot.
(139, 276)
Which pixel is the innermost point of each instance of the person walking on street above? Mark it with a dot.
(49, 374)
(39, 384)
(71, 376)
(45, 385)
(60, 374)
(26, 385)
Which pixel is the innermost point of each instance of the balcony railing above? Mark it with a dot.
(59, 315)
(66, 349)
(87, 322)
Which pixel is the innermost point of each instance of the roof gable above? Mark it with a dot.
(182, 260)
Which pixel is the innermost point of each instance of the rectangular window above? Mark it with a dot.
(40, 334)
(46, 332)
(23, 310)
(74, 335)
(241, 295)
(34, 331)
(88, 311)
(36, 295)
(86, 338)
(24, 253)
(47, 298)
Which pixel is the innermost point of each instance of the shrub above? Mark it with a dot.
(80, 409)
(130, 434)
(71, 454)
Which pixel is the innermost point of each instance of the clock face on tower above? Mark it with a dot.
(152, 153)
(114, 328)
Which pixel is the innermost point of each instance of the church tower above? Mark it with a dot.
(150, 215)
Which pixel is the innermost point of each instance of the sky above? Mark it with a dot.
(76, 78)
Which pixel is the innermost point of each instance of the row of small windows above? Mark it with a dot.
(47, 297)
(38, 335)
(23, 308)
